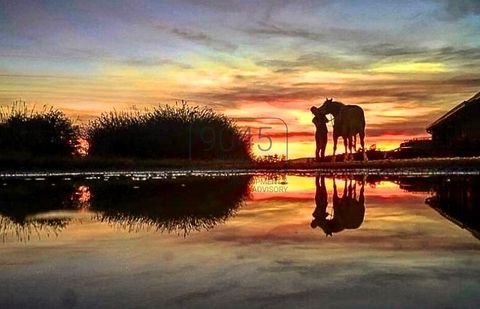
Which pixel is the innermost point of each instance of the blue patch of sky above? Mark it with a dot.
(89, 33)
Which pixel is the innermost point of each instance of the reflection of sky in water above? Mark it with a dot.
(403, 254)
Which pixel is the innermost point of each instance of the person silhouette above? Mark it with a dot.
(320, 214)
(321, 133)
(321, 198)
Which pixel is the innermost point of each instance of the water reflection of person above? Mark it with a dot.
(321, 199)
(348, 212)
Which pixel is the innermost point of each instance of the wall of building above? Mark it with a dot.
(459, 135)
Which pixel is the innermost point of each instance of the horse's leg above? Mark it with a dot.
(335, 139)
(362, 143)
(354, 145)
(355, 189)
(345, 142)
(335, 198)
(350, 188)
(350, 147)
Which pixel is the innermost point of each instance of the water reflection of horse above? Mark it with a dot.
(348, 212)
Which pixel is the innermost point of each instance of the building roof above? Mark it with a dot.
(473, 100)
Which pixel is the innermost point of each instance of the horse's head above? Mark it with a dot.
(326, 106)
(330, 107)
(318, 113)
(325, 225)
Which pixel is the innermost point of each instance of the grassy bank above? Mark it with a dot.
(122, 164)
(10, 164)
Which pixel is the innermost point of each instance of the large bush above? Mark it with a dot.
(180, 131)
(32, 133)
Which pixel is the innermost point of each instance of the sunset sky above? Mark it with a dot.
(404, 62)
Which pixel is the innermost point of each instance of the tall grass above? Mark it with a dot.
(28, 132)
(180, 131)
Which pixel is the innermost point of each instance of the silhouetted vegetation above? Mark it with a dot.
(26, 132)
(181, 132)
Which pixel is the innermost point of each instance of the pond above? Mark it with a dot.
(240, 240)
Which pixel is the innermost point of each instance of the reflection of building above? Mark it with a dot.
(414, 184)
(458, 131)
(458, 199)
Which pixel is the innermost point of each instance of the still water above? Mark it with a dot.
(262, 240)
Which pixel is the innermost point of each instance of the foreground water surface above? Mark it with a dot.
(262, 240)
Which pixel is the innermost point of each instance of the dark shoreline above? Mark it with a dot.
(92, 166)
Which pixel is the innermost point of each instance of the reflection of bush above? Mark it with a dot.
(181, 205)
(177, 205)
(21, 200)
(27, 228)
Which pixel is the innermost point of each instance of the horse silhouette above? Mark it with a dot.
(321, 133)
(349, 120)
(348, 212)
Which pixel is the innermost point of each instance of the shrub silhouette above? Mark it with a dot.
(180, 131)
(27, 132)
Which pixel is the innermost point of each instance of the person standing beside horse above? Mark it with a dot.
(321, 133)
(349, 120)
